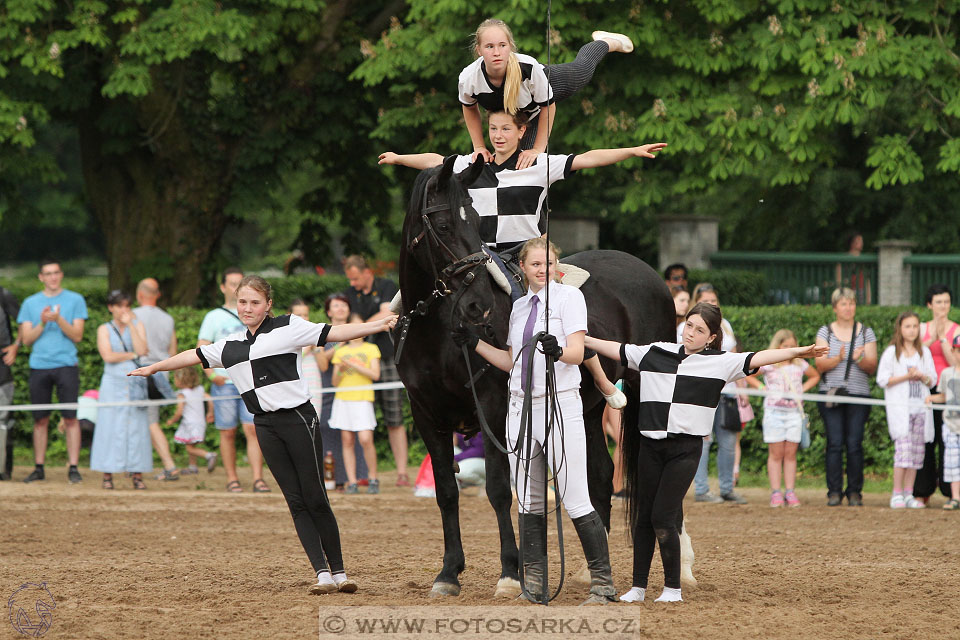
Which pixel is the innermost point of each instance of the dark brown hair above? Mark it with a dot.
(712, 318)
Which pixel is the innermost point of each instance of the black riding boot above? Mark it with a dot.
(593, 539)
(533, 527)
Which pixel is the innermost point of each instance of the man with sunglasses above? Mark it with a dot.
(676, 275)
(51, 323)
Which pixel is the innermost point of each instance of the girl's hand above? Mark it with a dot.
(388, 157)
(389, 322)
(209, 418)
(648, 150)
(143, 372)
(812, 351)
(527, 157)
(482, 153)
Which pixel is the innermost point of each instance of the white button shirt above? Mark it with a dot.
(568, 314)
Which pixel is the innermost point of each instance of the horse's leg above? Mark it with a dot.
(686, 555)
(440, 447)
(501, 499)
(599, 463)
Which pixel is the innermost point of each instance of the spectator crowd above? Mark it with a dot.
(919, 367)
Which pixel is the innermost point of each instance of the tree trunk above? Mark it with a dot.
(160, 206)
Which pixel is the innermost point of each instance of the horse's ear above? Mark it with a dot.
(446, 172)
(469, 175)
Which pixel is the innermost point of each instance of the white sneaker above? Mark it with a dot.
(626, 43)
(913, 503)
(636, 594)
(897, 501)
(325, 584)
(344, 584)
(669, 595)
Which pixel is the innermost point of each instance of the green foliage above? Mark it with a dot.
(793, 122)
(190, 111)
(734, 287)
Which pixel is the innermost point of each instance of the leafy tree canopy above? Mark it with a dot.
(792, 120)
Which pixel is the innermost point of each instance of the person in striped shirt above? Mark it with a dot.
(264, 362)
(680, 387)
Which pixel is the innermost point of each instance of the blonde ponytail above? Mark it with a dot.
(511, 85)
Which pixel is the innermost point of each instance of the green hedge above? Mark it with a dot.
(311, 288)
(734, 287)
(754, 327)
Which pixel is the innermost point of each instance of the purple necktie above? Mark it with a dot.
(527, 334)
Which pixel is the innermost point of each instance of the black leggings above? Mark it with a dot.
(665, 469)
(568, 78)
(291, 445)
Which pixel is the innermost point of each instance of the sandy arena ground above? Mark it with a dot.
(185, 559)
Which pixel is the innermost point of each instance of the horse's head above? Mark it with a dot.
(441, 239)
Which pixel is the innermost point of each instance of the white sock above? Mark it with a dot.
(324, 577)
(636, 594)
(340, 578)
(669, 595)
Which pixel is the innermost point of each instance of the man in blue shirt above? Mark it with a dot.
(51, 323)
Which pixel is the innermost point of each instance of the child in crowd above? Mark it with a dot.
(193, 419)
(783, 416)
(356, 364)
(949, 393)
(906, 373)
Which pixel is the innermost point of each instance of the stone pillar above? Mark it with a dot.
(574, 234)
(689, 240)
(894, 275)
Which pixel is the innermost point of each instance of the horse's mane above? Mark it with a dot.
(456, 197)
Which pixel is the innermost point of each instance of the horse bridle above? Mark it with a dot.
(442, 279)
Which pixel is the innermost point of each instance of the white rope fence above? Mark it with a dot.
(806, 397)
(162, 402)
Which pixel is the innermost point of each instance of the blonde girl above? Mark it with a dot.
(783, 416)
(500, 79)
(192, 417)
(906, 372)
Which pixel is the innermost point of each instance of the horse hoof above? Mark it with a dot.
(441, 589)
(582, 578)
(507, 588)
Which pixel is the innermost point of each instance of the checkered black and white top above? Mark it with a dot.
(474, 86)
(511, 202)
(679, 392)
(265, 367)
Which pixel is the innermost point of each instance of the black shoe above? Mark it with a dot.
(855, 500)
(834, 499)
(36, 474)
(74, 476)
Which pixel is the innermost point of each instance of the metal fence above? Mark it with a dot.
(926, 270)
(806, 278)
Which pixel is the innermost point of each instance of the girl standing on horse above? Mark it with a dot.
(511, 201)
(565, 448)
(500, 79)
(264, 362)
(680, 390)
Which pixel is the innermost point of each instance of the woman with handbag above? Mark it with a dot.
(121, 441)
(845, 371)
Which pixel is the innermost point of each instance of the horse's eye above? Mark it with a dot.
(443, 227)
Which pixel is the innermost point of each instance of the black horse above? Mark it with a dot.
(444, 280)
